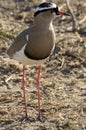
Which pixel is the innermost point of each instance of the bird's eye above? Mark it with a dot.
(52, 11)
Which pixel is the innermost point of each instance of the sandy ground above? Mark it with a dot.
(63, 77)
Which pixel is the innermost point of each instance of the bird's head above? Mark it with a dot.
(48, 11)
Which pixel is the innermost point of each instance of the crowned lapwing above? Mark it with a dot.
(35, 44)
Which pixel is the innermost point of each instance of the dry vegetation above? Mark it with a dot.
(63, 77)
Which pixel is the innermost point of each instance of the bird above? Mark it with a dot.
(35, 44)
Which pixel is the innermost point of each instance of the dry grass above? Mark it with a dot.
(63, 78)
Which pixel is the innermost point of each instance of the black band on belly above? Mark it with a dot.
(34, 57)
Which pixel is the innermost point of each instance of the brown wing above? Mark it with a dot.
(18, 43)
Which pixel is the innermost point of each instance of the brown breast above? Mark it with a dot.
(40, 44)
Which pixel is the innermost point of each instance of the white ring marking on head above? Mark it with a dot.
(44, 8)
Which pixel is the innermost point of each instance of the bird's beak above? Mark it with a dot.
(63, 13)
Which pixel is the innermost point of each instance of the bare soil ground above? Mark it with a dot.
(63, 77)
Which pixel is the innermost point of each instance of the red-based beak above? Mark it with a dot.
(62, 13)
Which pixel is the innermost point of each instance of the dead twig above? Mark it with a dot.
(83, 20)
(80, 22)
(75, 27)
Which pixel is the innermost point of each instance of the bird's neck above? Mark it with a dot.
(42, 23)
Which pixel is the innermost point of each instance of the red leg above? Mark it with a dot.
(38, 88)
(24, 91)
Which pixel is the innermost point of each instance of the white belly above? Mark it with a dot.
(22, 58)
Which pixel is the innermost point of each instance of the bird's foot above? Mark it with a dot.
(40, 118)
(28, 118)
